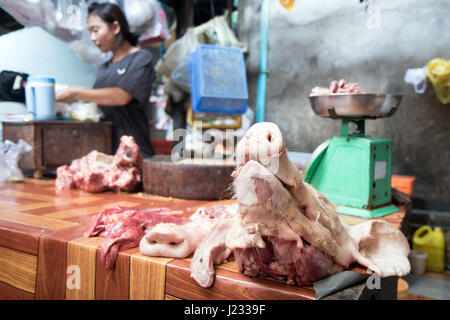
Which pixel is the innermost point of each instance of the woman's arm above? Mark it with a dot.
(112, 96)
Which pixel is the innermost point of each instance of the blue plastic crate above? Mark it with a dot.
(218, 80)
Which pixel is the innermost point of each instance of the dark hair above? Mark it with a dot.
(109, 13)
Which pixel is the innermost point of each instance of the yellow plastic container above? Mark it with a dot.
(432, 242)
(288, 4)
(439, 76)
(210, 120)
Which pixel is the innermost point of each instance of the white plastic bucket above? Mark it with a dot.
(418, 260)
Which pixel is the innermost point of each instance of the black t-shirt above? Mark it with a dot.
(134, 73)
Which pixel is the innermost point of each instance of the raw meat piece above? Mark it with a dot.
(268, 211)
(336, 87)
(127, 154)
(212, 250)
(180, 241)
(269, 208)
(284, 260)
(102, 223)
(65, 178)
(123, 228)
(172, 240)
(264, 143)
(381, 247)
(319, 91)
(97, 172)
(287, 228)
(167, 233)
(311, 202)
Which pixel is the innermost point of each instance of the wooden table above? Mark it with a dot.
(42, 251)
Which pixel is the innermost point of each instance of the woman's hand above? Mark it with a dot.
(111, 96)
(68, 95)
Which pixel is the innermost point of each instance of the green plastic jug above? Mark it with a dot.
(432, 242)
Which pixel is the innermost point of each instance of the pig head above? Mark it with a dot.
(375, 244)
(285, 227)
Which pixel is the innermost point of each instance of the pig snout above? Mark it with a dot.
(262, 141)
(166, 240)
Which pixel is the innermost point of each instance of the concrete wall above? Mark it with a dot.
(319, 41)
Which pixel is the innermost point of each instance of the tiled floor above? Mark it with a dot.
(431, 285)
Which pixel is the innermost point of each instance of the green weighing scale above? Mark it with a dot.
(354, 170)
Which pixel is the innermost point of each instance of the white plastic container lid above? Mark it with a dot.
(40, 79)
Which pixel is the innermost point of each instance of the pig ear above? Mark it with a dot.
(381, 248)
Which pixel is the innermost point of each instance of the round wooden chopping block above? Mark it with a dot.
(193, 181)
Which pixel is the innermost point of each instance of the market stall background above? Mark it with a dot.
(317, 42)
(364, 41)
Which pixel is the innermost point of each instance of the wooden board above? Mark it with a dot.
(195, 180)
(43, 254)
(55, 143)
(18, 269)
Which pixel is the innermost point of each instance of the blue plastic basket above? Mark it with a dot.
(218, 80)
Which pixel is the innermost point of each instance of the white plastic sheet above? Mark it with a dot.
(10, 154)
(147, 18)
(79, 111)
(44, 14)
(177, 52)
(67, 20)
(217, 31)
(88, 52)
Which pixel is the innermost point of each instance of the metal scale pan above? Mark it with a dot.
(354, 170)
(355, 105)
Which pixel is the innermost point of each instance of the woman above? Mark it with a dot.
(124, 83)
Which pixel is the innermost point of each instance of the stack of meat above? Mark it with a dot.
(336, 87)
(123, 228)
(159, 231)
(285, 228)
(280, 226)
(97, 172)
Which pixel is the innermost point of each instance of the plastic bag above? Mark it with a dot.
(42, 13)
(84, 48)
(216, 31)
(79, 111)
(139, 12)
(181, 75)
(439, 76)
(288, 4)
(62, 111)
(88, 52)
(67, 20)
(29, 12)
(85, 111)
(9, 159)
(418, 78)
(180, 49)
(160, 120)
(147, 18)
